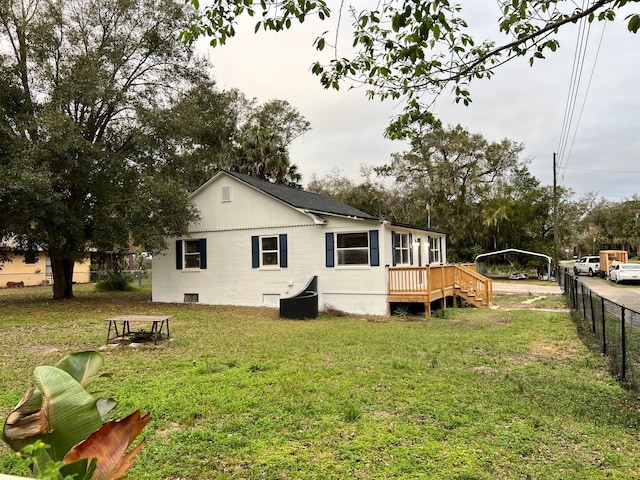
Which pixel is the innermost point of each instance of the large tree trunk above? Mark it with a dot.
(62, 269)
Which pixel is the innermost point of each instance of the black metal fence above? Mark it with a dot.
(136, 277)
(616, 327)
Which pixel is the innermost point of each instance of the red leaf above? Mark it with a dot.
(109, 445)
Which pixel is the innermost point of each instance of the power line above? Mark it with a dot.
(601, 170)
(586, 94)
(576, 76)
(569, 96)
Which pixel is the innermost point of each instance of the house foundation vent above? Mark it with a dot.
(191, 297)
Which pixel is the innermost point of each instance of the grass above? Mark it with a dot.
(529, 301)
(241, 393)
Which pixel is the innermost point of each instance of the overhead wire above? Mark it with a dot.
(574, 87)
(586, 94)
(569, 97)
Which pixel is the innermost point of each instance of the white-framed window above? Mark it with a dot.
(192, 253)
(269, 251)
(434, 246)
(401, 248)
(352, 248)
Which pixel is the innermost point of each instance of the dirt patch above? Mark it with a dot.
(561, 350)
(485, 369)
(41, 349)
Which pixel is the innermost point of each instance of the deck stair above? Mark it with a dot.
(437, 283)
(473, 287)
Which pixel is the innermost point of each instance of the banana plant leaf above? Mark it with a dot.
(67, 413)
(27, 420)
(109, 446)
(82, 469)
(83, 366)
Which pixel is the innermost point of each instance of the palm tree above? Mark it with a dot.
(262, 156)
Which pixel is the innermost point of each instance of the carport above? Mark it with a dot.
(515, 250)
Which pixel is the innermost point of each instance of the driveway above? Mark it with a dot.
(514, 287)
(627, 295)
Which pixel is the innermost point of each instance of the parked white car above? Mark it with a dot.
(588, 265)
(625, 272)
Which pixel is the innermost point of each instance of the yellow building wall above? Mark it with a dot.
(33, 274)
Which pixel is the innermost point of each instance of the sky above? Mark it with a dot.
(522, 103)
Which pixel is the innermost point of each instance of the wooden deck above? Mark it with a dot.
(437, 283)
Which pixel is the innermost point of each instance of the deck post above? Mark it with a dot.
(427, 304)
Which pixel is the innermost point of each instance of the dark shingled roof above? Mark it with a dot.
(313, 202)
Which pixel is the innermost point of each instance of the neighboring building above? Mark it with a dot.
(257, 242)
(28, 269)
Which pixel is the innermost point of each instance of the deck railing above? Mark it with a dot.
(439, 280)
(408, 280)
(476, 285)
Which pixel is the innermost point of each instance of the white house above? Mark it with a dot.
(257, 242)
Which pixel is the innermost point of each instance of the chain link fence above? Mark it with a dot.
(136, 277)
(616, 327)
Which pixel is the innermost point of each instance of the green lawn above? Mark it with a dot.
(240, 393)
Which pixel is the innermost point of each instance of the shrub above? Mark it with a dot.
(120, 282)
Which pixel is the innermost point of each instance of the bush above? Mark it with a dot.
(115, 282)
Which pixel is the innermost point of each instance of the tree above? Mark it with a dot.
(369, 196)
(414, 49)
(75, 172)
(452, 170)
(264, 138)
(196, 135)
(610, 225)
(480, 192)
(205, 130)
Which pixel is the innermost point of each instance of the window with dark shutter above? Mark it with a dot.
(203, 253)
(329, 254)
(255, 251)
(374, 247)
(282, 240)
(270, 251)
(178, 254)
(192, 254)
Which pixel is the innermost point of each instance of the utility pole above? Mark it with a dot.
(556, 247)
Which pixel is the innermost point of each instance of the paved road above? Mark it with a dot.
(627, 295)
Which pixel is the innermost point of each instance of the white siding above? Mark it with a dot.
(229, 278)
(231, 213)
(248, 208)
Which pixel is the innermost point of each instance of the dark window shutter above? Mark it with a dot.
(374, 249)
(328, 241)
(441, 251)
(178, 254)
(203, 253)
(393, 248)
(255, 252)
(410, 249)
(283, 250)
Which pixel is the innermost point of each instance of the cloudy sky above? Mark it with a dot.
(520, 103)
